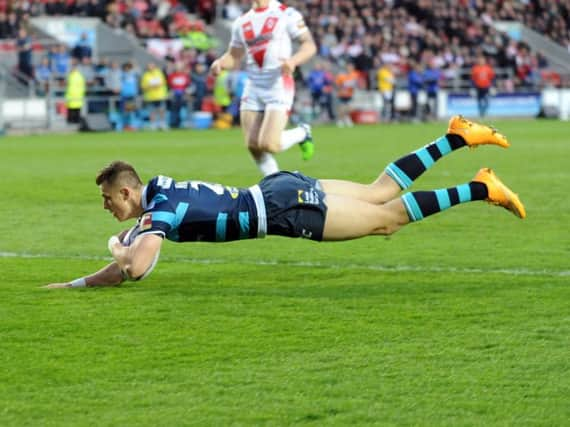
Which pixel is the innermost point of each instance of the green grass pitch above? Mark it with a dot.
(460, 320)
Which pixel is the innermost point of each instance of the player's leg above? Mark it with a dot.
(400, 174)
(278, 101)
(383, 189)
(460, 133)
(251, 124)
(349, 218)
(484, 186)
(274, 138)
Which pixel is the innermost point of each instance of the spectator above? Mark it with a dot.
(415, 84)
(101, 69)
(346, 83)
(113, 78)
(207, 10)
(55, 7)
(42, 75)
(82, 49)
(74, 94)
(12, 26)
(199, 80)
(316, 84)
(25, 66)
(129, 91)
(77, 8)
(222, 90)
(430, 77)
(60, 61)
(178, 82)
(155, 91)
(482, 76)
(386, 83)
(5, 32)
(87, 70)
(96, 8)
(327, 95)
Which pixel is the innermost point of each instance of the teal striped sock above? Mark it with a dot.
(408, 168)
(421, 204)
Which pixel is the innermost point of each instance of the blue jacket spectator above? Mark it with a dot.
(316, 82)
(129, 82)
(83, 48)
(431, 76)
(128, 104)
(42, 74)
(60, 61)
(415, 84)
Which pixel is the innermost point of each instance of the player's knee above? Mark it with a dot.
(271, 145)
(255, 151)
(387, 229)
(252, 142)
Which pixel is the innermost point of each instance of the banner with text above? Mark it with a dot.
(501, 105)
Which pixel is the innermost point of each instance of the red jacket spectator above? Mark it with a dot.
(178, 81)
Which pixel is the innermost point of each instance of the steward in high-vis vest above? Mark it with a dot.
(74, 94)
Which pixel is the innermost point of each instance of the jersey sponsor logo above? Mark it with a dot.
(310, 197)
(257, 43)
(146, 221)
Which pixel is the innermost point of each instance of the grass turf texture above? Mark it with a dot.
(461, 319)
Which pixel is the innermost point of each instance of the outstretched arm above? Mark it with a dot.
(131, 262)
(110, 275)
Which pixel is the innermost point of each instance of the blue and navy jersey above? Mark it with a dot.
(192, 211)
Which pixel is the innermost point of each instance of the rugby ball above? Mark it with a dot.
(127, 240)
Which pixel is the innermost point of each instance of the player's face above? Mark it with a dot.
(115, 200)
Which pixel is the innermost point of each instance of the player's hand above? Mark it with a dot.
(57, 286)
(122, 234)
(113, 243)
(216, 67)
(288, 66)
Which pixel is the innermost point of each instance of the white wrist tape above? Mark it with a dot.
(78, 283)
(113, 240)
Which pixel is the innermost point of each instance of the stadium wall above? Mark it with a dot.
(553, 103)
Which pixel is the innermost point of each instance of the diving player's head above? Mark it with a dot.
(121, 190)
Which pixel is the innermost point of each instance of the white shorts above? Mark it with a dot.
(278, 96)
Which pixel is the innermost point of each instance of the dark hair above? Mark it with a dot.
(119, 171)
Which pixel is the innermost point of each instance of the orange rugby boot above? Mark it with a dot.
(499, 194)
(476, 134)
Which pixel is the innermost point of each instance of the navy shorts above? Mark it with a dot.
(294, 204)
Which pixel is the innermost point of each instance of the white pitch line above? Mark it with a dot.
(372, 267)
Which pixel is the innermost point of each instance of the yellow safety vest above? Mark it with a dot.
(75, 90)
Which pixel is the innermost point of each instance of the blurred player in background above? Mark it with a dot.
(287, 204)
(264, 34)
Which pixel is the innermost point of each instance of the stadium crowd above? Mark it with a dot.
(422, 45)
(417, 45)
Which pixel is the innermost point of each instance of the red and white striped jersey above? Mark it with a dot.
(266, 34)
